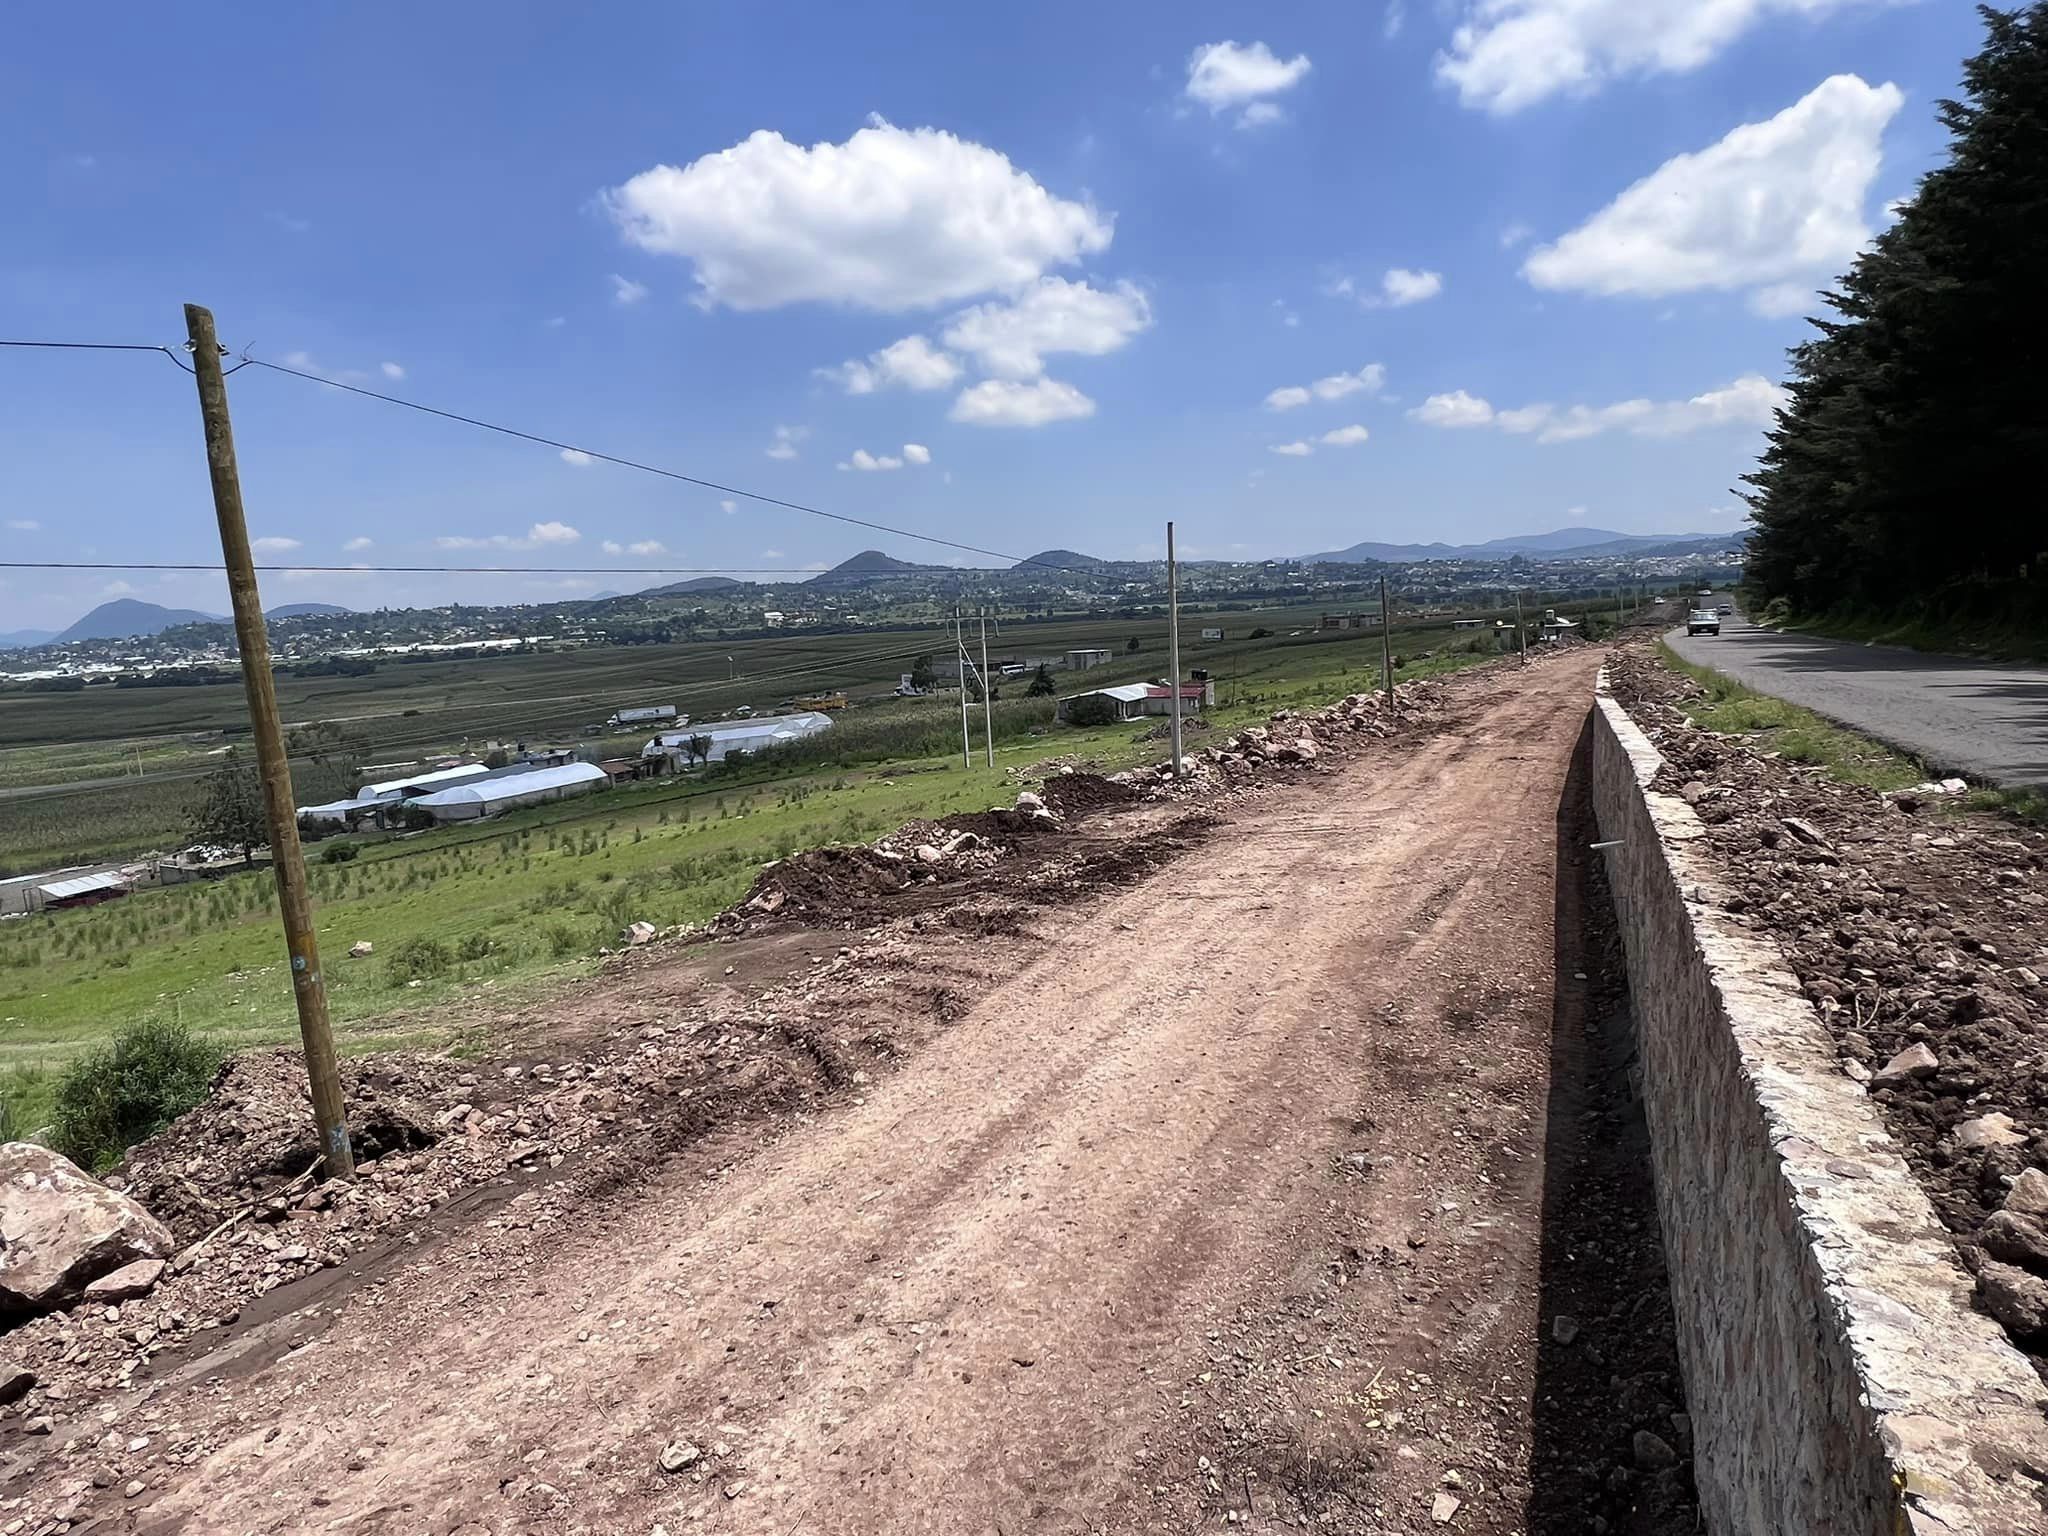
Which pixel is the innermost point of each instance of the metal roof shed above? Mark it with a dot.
(729, 736)
(494, 797)
(82, 890)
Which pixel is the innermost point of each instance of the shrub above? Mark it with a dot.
(338, 853)
(1091, 709)
(418, 959)
(563, 940)
(476, 946)
(132, 1087)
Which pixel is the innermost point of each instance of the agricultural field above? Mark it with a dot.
(70, 790)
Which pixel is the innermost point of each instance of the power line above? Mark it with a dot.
(650, 469)
(529, 437)
(445, 570)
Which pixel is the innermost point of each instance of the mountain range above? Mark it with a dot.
(1558, 544)
(127, 618)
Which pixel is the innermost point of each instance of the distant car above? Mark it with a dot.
(1726, 610)
(1701, 622)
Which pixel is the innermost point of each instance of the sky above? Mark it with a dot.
(1021, 277)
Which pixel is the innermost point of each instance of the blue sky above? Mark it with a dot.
(1053, 273)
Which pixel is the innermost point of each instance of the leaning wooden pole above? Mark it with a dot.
(286, 861)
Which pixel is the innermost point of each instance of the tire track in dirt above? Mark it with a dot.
(982, 1297)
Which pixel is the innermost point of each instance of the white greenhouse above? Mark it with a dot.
(494, 797)
(731, 736)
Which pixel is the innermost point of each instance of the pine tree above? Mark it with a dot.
(231, 811)
(1905, 473)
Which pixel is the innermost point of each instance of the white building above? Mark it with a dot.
(508, 792)
(730, 736)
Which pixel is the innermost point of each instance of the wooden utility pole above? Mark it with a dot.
(1521, 634)
(309, 988)
(1173, 645)
(1386, 642)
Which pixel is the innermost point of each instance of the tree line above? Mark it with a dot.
(1904, 478)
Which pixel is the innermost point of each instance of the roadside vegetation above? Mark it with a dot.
(1798, 735)
(1897, 499)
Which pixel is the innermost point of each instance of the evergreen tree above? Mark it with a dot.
(231, 810)
(1904, 476)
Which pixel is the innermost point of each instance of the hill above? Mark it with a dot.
(869, 565)
(22, 639)
(1061, 559)
(686, 588)
(304, 610)
(126, 618)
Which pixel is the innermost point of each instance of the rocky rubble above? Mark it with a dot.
(63, 1232)
(1919, 930)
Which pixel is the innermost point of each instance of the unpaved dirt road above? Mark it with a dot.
(1227, 1195)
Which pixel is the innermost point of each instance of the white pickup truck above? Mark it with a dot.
(1703, 621)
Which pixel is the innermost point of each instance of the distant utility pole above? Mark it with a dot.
(1386, 642)
(960, 654)
(1173, 644)
(988, 716)
(1521, 634)
(309, 988)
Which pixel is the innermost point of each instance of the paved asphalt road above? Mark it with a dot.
(1984, 720)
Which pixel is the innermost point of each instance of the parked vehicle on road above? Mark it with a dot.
(1726, 610)
(1701, 622)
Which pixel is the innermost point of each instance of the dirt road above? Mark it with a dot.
(1227, 1195)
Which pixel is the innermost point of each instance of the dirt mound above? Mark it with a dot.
(254, 1133)
(831, 883)
(1001, 826)
(1073, 795)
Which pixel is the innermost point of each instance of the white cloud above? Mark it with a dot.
(556, 322)
(539, 536)
(1749, 401)
(626, 291)
(1771, 204)
(1575, 514)
(577, 457)
(1010, 403)
(392, 370)
(773, 554)
(116, 589)
(1345, 437)
(273, 544)
(1011, 339)
(728, 506)
(1370, 379)
(1296, 450)
(912, 362)
(1261, 114)
(892, 219)
(23, 524)
(647, 547)
(1456, 409)
(784, 446)
(1511, 54)
(916, 453)
(612, 547)
(1776, 301)
(1396, 18)
(864, 460)
(1225, 75)
(1402, 287)
(1514, 235)
(359, 542)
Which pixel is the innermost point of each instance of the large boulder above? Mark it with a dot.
(61, 1229)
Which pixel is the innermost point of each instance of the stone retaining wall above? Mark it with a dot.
(1838, 1379)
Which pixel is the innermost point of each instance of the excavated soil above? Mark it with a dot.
(1910, 922)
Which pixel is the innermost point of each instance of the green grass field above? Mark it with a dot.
(509, 907)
